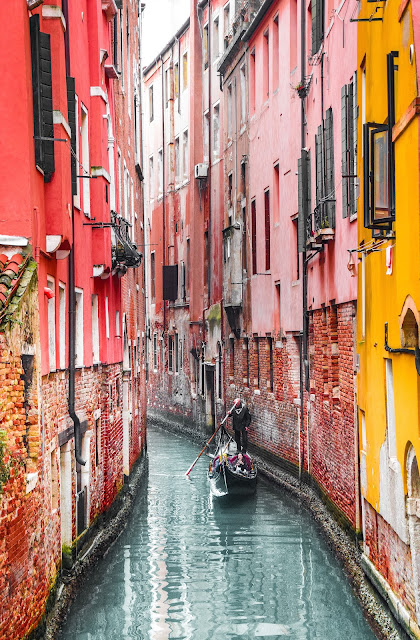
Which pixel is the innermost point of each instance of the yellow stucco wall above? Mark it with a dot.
(385, 294)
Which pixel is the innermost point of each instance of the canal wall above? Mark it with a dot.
(95, 544)
(376, 603)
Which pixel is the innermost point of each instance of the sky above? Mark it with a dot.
(162, 19)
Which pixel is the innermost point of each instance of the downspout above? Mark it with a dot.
(163, 184)
(209, 270)
(303, 378)
(72, 294)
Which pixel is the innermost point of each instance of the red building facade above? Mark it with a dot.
(72, 327)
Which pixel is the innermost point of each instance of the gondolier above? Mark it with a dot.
(241, 419)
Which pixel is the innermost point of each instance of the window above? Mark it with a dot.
(167, 87)
(151, 105)
(117, 324)
(79, 327)
(252, 81)
(296, 226)
(257, 357)
(95, 329)
(184, 71)
(122, 50)
(72, 107)
(185, 153)
(304, 224)
(216, 131)
(275, 53)
(107, 317)
(317, 10)
(187, 277)
(155, 360)
(206, 46)
(54, 480)
(177, 160)
(182, 281)
(254, 235)
(42, 99)
(62, 324)
(276, 193)
(229, 112)
(247, 361)
(349, 148)
(324, 216)
(51, 325)
(379, 164)
(170, 353)
(85, 161)
(97, 442)
(271, 365)
(293, 34)
(243, 94)
(266, 65)
(176, 347)
(226, 24)
(160, 172)
(206, 130)
(267, 229)
(216, 38)
(152, 277)
(176, 80)
(151, 179)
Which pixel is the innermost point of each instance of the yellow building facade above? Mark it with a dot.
(388, 316)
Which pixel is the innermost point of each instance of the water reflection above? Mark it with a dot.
(192, 566)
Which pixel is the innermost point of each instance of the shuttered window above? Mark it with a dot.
(42, 99)
(317, 10)
(267, 230)
(71, 108)
(170, 282)
(254, 235)
(304, 199)
(329, 210)
(349, 147)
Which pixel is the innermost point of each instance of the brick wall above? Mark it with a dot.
(390, 555)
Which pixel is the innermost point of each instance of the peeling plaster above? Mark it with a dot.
(391, 493)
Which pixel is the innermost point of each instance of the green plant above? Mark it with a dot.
(4, 466)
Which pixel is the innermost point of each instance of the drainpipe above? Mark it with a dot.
(209, 270)
(163, 182)
(303, 382)
(72, 295)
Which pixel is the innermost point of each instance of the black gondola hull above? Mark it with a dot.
(226, 481)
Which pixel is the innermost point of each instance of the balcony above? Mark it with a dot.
(320, 225)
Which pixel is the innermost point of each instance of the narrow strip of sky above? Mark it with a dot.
(162, 19)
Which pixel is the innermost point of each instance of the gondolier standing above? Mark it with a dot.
(241, 419)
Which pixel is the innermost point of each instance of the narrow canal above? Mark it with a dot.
(188, 566)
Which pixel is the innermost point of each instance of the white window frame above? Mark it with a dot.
(95, 329)
(52, 352)
(85, 160)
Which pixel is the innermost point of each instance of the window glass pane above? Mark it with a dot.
(381, 175)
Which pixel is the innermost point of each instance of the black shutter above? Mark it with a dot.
(345, 165)
(318, 164)
(42, 98)
(301, 224)
(317, 11)
(329, 166)
(170, 282)
(71, 108)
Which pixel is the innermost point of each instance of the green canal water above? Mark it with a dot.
(191, 566)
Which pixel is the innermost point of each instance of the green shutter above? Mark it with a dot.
(353, 116)
(345, 165)
(329, 166)
(42, 98)
(71, 108)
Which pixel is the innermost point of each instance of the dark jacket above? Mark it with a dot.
(241, 418)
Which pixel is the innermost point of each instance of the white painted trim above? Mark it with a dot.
(52, 243)
(98, 91)
(58, 118)
(98, 270)
(100, 171)
(51, 11)
(31, 480)
(14, 241)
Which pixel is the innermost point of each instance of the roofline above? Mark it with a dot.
(257, 19)
(170, 44)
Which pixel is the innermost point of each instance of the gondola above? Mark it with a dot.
(225, 476)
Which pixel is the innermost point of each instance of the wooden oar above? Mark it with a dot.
(207, 443)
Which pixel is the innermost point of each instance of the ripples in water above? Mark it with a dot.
(194, 567)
